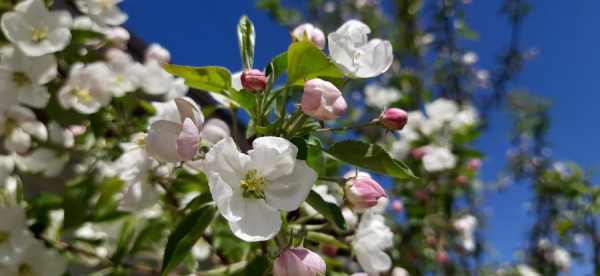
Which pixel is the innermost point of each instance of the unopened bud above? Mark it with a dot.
(330, 250)
(394, 119)
(442, 257)
(119, 36)
(158, 53)
(254, 80)
(474, 164)
(397, 206)
(418, 153)
(315, 35)
(323, 100)
(298, 262)
(462, 180)
(364, 192)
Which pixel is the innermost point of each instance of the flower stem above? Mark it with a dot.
(234, 110)
(372, 123)
(282, 113)
(290, 134)
(340, 181)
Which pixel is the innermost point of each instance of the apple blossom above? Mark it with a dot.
(438, 159)
(125, 72)
(103, 11)
(356, 57)
(363, 192)
(18, 124)
(14, 234)
(157, 53)
(170, 141)
(442, 257)
(398, 271)
(271, 178)
(372, 238)
(379, 96)
(201, 250)
(562, 258)
(154, 79)
(397, 206)
(169, 111)
(88, 88)
(350, 218)
(474, 164)
(35, 30)
(120, 36)
(330, 250)
(467, 116)
(526, 270)
(253, 80)
(7, 166)
(323, 100)
(419, 152)
(465, 226)
(298, 262)
(442, 110)
(462, 180)
(214, 130)
(37, 260)
(178, 89)
(22, 78)
(393, 119)
(315, 35)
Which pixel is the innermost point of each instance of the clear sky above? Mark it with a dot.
(566, 34)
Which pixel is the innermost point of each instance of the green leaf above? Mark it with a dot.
(200, 200)
(316, 159)
(258, 266)
(276, 67)
(244, 98)
(77, 195)
(246, 38)
(108, 190)
(185, 236)
(305, 60)
(330, 211)
(82, 36)
(371, 157)
(126, 237)
(209, 78)
(302, 147)
(324, 238)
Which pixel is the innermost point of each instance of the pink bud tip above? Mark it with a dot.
(442, 257)
(77, 129)
(462, 180)
(330, 250)
(394, 119)
(397, 206)
(323, 100)
(418, 153)
(254, 80)
(474, 164)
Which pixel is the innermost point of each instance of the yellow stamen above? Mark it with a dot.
(107, 5)
(252, 185)
(9, 126)
(26, 270)
(82, 94)
(39, 34)
(20, 78)
(4, 236)
(120, 78)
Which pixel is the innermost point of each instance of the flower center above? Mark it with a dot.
(9, 126)
(20, 79)
(252, 185)
(82, 94)
(40, 33)
(26, 270)
(141, 140)
(120, 78)
(106, 5)
(4, 235)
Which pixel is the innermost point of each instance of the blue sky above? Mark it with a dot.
(565, 33)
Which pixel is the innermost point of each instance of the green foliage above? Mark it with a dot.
(305, 62)
(209, 78)
(246, 37)
(371, 157)
(330, 211)
(324, 239)
(302, 147)
(185, 236)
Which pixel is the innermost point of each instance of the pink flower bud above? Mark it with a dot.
(298, 262)
(364, 192)
(254, 80)
(418, 153)
(330, 250)
(315, 35)
(462, 180)
(442, 257)
(397, 206)
(158, 53)
(394, 119)
(474, 164)
(431, 240)
(423, 194)
(323, 100)
(77, 129)
(119, 36)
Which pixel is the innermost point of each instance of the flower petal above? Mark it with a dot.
(188, 141)
(225, 159)
(310, 259)
(188, 110)
(273, 157)
(161, 141)
(229, 203)
(288, 192)
(260, 222)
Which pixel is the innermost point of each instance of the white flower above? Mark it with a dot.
(18, 124)
(22, 78)
(134, 167)
(356, 57)
(170, 141)
(468, 116)
(35, 30)
(168, 111)
(466, 226)
(470, 58)
(178, 89)
(441, 109)
(154, 79)
(157, 53)
(562, 258)
(381, 97)
(381, 205)
(526, 270)
(400, 148)
(37, 260)
(271, 178)
(88, 88)
(398, 271)
(201, 250)
(125, 72)
(15, 237)
(103, 11)
(214, 130)
(438, 159)
(372, 238)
